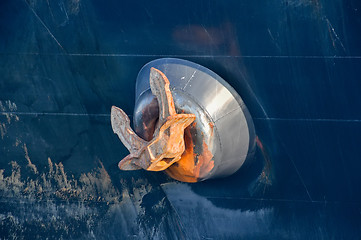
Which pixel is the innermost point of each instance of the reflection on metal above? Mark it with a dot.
(195, 105)
(167, 145)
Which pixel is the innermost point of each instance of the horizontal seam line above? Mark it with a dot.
(309, 119)
(180, 55)
(57, 114)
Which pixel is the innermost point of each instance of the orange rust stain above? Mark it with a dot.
(205, 163)
(211, 125)
(191, 167)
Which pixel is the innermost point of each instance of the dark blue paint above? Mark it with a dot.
(64, 63)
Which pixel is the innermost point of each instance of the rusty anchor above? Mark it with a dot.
(201, 129)
(167, 145)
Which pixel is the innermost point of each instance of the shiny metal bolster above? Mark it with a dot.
(194, 126)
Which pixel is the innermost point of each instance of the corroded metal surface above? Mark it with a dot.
(167, 145)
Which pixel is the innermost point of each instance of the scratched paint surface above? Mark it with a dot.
(64, 63)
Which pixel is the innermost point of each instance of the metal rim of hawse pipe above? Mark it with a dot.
(216, 143)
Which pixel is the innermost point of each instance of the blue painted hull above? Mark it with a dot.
(64, 63)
